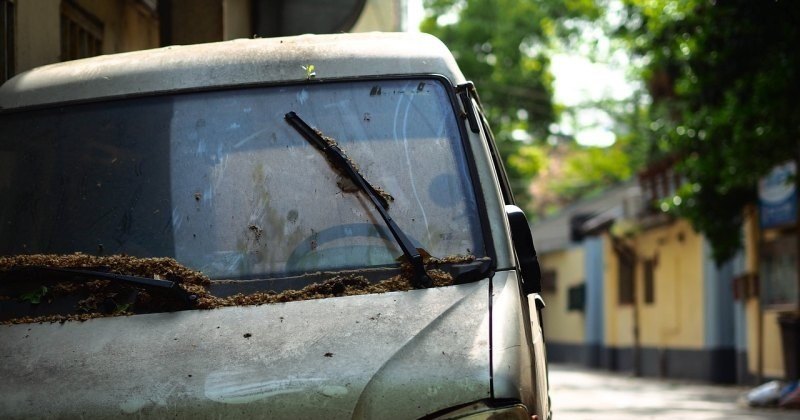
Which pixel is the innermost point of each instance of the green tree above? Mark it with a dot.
(502, 45)
(588, 170)
(724, 80)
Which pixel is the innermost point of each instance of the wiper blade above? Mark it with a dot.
(87, 274)
(340, 161)
(336, 156)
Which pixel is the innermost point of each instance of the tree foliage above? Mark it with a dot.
(501, 45)
(724, 80)
(588, 170)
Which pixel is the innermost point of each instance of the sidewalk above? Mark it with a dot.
(580, 393)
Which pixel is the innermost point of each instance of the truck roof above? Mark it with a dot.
(231, 63)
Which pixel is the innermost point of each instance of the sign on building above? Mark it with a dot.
(777, 196)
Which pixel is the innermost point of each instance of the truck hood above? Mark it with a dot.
(404, 354)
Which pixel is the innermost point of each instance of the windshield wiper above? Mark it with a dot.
(340, 162)
(73, 274)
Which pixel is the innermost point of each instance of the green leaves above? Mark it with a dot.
(502, 46)
(121, 308)
(591, 168)
(528, 160)
(34, 296)
(724, 78)
(310, 71)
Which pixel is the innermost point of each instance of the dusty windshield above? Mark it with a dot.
(221, 183)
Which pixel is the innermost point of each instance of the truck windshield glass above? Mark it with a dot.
(220, 182)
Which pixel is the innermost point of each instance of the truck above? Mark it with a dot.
(299, 227)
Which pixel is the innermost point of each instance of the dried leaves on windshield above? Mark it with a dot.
(386, 198)
(103, 298)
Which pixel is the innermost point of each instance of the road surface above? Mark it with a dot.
(579, 393)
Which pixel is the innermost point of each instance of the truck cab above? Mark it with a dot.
(300, 227)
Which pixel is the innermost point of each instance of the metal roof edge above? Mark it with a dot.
(229, 63)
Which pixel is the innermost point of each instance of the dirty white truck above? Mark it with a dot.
(302, 227)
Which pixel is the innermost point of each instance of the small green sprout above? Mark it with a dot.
(310, 73)
(35, 296)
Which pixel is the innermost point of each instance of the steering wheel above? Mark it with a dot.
(309, 255)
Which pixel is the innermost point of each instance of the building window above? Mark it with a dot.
(81, 33)
(649, 283)
(626, 287)
(576, 298)
(549, 278)
(8, 17)
(659, 181)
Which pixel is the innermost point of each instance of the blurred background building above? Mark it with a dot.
(39, 32)
(630, 288)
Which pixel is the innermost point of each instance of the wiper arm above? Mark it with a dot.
(340, 161)
(85, 274)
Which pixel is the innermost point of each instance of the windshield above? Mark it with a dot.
(220, 182)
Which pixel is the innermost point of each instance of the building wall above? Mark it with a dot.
(674, 335)
(696, 327)
(237, 20)
(196, 21)
(618, 317)
(37, 33)
(564, 329)
(127, 26)
(381, 15)
(675, 318)
(561, 325)
(772, 356)
(764, 346)
(773, 351)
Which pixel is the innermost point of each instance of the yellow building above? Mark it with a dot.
(574, 272)
(769, 285)
(632, 290)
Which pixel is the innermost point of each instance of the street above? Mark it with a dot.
(579, 393)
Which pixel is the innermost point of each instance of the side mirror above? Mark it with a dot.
(526, 254)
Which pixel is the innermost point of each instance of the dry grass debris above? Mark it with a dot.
(96, 294)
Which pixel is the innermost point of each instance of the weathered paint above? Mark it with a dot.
(237, 62)
(368, 356)
(364, 356)
(515, 366)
